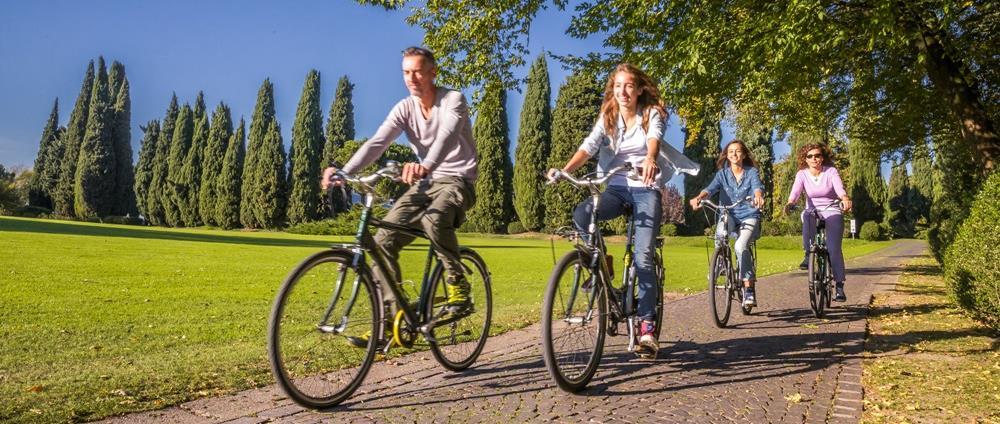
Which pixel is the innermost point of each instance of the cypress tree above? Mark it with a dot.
(703, 149)
(144, 168)
(921, 184)
(53, 166)
(191, 172)
(94, 182)
(272, 193)
(227, 212)
(867, 188)
(156, 196)
(260, 122)
(307, 145)
(71, 140)
(577, 108)
(896, 202)
(760, 143)
(532, 152)
(340, 123)
(38, 194)
(221, 130)
(492, 211)
(174, 191)
(116, 77)
(957, 177)
(199, 106)
(121, 139)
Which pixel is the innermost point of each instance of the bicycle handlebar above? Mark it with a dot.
(390, 171)
(709, 203)
(588, 182)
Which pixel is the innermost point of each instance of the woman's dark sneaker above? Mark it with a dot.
(805, 263)
(840, 296)
(648, 345)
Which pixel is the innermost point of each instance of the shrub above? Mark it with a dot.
(344, 224)
(668, 230)
(122, 220)
(515, 228)
(970, 265)
(870, 231)
(27, 211)
(787, 226)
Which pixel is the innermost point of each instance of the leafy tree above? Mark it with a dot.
(253, 172)
(743, 50)
(227, 213)
(307, 145)
(156, 196)
(492, 211)
(921, 185)
(340, 123)
(577, 108)
(94, 182)
(71, 141)
(144, 168)
(897, 201)
(956, 181)
(219, 133)
(867, 188)
(759, 138)
(704, 149)
(673, 205)
(38, 190)
(533, 142)
(272, 191)
(121, 140)
(175, 196)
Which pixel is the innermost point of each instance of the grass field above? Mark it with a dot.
(98, 320)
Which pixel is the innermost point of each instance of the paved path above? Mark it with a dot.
(779, 365)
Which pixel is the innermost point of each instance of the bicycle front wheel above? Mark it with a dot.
(574, 322)
(323, 330)
(659, 297)
(458, 343)
(720, 294)
(817, 283)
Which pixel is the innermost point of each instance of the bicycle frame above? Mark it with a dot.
(724, 215)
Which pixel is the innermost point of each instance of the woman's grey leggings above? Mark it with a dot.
(834, 235)
(749, 230)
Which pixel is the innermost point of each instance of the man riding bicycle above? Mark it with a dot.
(436, 122)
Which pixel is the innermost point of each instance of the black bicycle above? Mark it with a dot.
(820, 272)
(582, 305)
(331, 316)
(724, 282)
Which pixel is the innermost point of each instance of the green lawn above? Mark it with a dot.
(98, 320)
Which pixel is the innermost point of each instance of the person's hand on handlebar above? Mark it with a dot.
(696, 202)
(552, 175)
(846, 204)
(789, 208)
(758, 200)
(413, 172)
(330, 178)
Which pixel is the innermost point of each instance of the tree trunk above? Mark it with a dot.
(978, 131)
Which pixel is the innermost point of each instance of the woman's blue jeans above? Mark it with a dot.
(646, 211)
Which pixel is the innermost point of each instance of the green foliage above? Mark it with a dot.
(971, 266)
(515, 228)
(38, 194)
(867, 188)
(760, 140)
(253, 171)
(897, 216)
(219, 133)
(121, 139)
(871, 231)
(192, 170)
(921, 185)
(271, 186)
(230, 181)
(307, 146)
(340, 123)
(704, 149)
(781, 225)
(156, 196)
(668, 230)
(71, 141)
(533, 143)
(175, 190)
(956, 180)
(345, 224)
(94, 182)
(493, 207)
(144, 168)
(577, 107)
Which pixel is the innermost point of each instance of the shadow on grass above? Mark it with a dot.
(882, 343)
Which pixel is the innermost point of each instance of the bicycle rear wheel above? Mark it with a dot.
(458, 343)
(817, 283)
(319, 350)
(574, 322)
(720, 295)
(829, 280)
(659, 296)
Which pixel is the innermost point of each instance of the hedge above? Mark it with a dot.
(971, 267)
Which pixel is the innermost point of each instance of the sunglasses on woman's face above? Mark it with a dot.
(815, 156)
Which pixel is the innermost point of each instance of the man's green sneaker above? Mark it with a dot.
(459, 302)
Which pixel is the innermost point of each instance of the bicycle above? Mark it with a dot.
(724, 283)
(820, 273)
(581, 299)
(331, 315)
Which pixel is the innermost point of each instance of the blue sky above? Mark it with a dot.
(226, 49)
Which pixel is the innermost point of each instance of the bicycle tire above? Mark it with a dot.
(829, 280)
(817, 284)
(720, 286)
(660, 277)
(573, 370)
(458, 344)
(312, 365)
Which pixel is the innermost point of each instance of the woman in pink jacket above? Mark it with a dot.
(821, 183)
